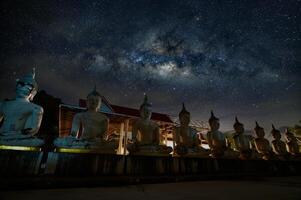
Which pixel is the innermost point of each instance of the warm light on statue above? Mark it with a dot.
(145, 134)
(93, 127)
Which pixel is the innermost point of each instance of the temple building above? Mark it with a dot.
(121, 120)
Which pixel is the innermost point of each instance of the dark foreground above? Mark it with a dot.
(285, 188)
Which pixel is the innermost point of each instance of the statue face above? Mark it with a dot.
(185, 119)
(146, 112)
(25, 90)
(239, 129)
(93, 102)
(276, 135)
(290, 137)
(214, 125)
(260, 133)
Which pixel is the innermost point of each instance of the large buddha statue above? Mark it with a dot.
(186, 138)
(20, 118)
(262, 145)
(292, 144)
(216, 139)
(278, 146)
(242, 142)
(145, 134)
(89, 128)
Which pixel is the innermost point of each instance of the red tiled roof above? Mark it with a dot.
(135, 113)
(132, 112)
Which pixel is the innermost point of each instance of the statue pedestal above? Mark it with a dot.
(98, 169)
(18, 161)
(83, 162)
(149, 164)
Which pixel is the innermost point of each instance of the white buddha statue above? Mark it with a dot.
(146, 133)
(292, 145)
(216, 139)
(262, 145)
(242, 142)
(186, 138)
(278, 146)
(93, 127)
(20, 118)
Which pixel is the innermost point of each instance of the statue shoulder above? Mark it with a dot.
(78, 116)
(154, 124)
(102, 117)
(37, 108)
(137, 123)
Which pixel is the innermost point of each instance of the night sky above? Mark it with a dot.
(236, 57)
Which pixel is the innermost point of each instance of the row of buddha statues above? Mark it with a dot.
(20, 121)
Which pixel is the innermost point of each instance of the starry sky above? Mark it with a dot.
(236, 57)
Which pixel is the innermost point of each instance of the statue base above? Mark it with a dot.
(19, 161)
(88, 162)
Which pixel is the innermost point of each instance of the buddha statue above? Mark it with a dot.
(241, 142)
(145, 134)
(186, 138)
(89, 128)
(278, 146)
(262, 145)
(292, 144)
(216, 139)
(20, 118)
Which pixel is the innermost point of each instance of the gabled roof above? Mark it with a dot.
(135, 113)
(121, 110)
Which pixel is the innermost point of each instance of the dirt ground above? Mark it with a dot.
(286, 188)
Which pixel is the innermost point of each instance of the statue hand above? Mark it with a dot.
(26, 131)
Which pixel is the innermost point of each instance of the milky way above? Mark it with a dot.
(236, 57)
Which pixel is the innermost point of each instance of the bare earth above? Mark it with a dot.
(285, 188)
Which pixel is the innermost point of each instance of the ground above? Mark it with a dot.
(286, 188)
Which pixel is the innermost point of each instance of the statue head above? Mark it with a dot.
(93, 100)
(259, 131)
(275, 133)
(238, 127)
(145, 109)
(184, 116)
(289, 135)
(27, 86)
(213, 122)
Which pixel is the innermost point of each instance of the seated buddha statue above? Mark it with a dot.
(278, 146)
(292, 144)
(241, 142)
(216, 139)
(186, 138)
(145, 134)
(262, 145)
(20, 118)
(89, 128)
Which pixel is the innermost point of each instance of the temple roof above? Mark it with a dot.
(107, 107)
